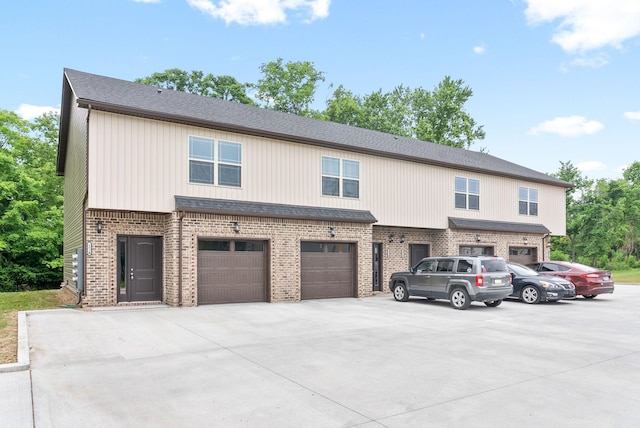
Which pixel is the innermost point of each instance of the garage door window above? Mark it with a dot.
(338, 248)
(249, 245)
(312, 247)
(214, 245)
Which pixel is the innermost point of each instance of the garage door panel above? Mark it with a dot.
(231, 277)
(327, 275)
(523, 255)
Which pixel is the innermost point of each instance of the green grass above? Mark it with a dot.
(628, 276)
(11, 303)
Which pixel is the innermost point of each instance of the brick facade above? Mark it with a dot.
(283, 237)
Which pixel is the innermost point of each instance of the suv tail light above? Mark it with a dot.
(479, 281)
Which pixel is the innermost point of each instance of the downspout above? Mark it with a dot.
(180, 218)
(548, 235)
(84, 211)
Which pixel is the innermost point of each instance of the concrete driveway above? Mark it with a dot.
(369, 362)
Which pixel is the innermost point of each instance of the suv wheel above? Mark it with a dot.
(459, 298)
(400, 292)
(530, 294)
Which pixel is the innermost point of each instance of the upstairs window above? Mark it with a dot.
(467, 193)
(528, 201)
(340, 177)
(215, 163)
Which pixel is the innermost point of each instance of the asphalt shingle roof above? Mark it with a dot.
(109, 94)
(496, 226)
(260, 209)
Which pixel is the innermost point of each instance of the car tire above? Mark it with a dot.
(493, 303)
(530, 294)
(590, 296)
(459, 298)
(400, 292)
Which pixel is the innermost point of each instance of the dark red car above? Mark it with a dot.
(588, 280)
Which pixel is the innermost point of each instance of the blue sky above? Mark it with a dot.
(553, 80)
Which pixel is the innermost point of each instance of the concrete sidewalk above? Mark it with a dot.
(369, 362)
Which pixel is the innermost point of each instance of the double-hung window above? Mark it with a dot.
(340, 177)
(467, 193)
(215, 162)
(528, 201)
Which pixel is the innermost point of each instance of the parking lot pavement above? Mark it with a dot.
(370, 362)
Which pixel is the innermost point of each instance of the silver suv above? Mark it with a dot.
(459, 279)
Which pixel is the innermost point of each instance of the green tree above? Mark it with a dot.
(441, 117)
(289, 87)
(196, 82)
(31, 216)
(438, 116)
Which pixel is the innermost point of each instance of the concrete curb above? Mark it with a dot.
(24, 362)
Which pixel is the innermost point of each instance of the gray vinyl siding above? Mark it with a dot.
(75, 185)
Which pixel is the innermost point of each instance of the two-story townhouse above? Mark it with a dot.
(182, 199)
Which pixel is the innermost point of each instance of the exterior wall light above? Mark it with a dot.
(236, 226)
(332, 231)
(402, 239)
(391, 238)
(477, 238)
(99, 226)
(526, 241)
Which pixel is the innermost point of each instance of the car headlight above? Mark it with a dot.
(545, 284)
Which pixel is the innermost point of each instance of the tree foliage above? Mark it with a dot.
(603, 219)
(289, 87)
(31, 215)
(196, 82)
(437, 116)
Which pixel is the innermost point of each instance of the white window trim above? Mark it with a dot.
(216, 162)
(529, 201)
(466, 193)
(340, 177)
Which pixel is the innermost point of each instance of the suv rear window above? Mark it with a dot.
(493, 265)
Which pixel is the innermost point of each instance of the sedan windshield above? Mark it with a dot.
(522, 270)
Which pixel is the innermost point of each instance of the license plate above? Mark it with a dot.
(497, 282)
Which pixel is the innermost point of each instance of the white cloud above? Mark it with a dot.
(570, 126)
(632, 115)
(587, 24)
(480, 50)
(261, 12)
(29, 112)
(591, 166)
(591, 62)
